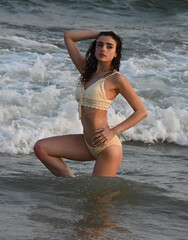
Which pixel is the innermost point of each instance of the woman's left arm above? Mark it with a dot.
(126, 90)
(122, 85)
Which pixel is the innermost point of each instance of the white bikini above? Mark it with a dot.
(94, 97)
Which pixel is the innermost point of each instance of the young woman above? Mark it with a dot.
(100, 83)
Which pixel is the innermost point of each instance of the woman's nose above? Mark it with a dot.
(103, 48)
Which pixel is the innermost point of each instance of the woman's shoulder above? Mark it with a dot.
(119, 81)
(117, 77)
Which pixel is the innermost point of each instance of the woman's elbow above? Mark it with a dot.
(144, 113)
(66, 33)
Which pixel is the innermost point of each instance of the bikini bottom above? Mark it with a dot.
(96, 150)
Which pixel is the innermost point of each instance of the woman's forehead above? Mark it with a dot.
(106, 39)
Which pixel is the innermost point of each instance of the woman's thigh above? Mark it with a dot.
(72, 147)
(108, 161)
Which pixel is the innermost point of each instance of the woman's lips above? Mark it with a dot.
(102, 55)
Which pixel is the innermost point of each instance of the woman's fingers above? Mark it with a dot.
(102, 135)
(99, 133)
(99, 130)
(99, 141)
(99, 138)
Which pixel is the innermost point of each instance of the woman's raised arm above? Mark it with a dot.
(73, 36)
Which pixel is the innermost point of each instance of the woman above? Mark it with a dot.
(100, 84)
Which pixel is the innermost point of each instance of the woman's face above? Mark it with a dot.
(105, 49)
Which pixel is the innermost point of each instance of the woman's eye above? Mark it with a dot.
(108, 46)
(99, 45)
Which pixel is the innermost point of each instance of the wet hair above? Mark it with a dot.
(91, 61)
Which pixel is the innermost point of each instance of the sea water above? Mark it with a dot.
(148, 200)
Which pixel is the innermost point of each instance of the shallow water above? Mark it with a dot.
(148, 199)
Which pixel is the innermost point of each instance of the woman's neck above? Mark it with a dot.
(103, 68)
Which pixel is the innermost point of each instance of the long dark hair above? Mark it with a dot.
(91, 61)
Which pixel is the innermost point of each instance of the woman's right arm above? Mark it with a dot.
(73, 36)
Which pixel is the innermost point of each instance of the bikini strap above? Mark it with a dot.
(112, 74)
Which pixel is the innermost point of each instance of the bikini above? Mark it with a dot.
(94, 97)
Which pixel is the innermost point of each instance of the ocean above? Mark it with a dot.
(148, 200)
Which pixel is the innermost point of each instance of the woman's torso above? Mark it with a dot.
(94, 104)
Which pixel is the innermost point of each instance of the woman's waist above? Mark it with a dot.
(93, 114)
(93, 119)
(89, 131)
(91, 122)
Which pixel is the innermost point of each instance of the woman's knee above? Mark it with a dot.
(39, 148)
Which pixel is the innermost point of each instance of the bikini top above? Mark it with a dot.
(93, 96)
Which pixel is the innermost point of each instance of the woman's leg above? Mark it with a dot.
(50, 151)
(108, 162)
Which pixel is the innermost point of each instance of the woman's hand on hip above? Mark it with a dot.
(102, 135)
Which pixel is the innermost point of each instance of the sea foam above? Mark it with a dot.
(37, 96)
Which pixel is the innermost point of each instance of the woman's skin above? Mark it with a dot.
(95, 126)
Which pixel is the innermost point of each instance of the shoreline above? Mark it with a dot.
(164, 147)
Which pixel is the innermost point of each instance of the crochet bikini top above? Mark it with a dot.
(93, 96)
